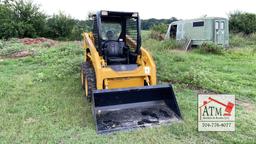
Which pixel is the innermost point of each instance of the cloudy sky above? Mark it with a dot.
(182, 9)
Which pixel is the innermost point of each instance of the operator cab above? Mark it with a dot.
(111, 30)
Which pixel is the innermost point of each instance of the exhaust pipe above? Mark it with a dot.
(128, 108)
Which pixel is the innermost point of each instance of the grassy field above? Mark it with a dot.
(41, 99)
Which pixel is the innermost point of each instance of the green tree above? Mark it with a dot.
(80, 27)
(20, 18)
(30, 20)
(149, 23)
(64, 27)
(7, 26)
(242, 22)
(60, 26)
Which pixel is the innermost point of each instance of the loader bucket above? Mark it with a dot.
(124, 109)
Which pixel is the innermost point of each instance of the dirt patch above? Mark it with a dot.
(30, 120)
(178, 50)
(196, 89)
(247, 106)
(30, 41)
(22, 54)
(203, 91)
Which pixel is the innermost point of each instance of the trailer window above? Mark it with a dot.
(216, 25)
(222, 25)
(198, 24)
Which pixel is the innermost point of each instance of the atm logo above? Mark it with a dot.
(221, 109)
(216, 112)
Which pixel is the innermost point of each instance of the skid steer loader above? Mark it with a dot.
(119, 76)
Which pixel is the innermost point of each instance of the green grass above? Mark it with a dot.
(41, 99)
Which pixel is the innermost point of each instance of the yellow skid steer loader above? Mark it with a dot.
(119, 76)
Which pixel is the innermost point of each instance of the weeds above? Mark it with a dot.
(2, 44)
(170, 44)
(7, 48)
(164, 45)
(241, 40)
(211, 48)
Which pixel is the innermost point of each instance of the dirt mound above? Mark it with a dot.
(29, 41)
(22, 54)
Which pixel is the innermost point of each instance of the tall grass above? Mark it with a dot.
(156, 45)
(211, 48)
(242, 40)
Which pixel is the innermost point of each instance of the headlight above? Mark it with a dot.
(135, 15)
(104, 13)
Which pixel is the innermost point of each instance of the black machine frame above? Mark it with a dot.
(115, 16)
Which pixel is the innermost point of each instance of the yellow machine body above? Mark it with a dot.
(107, 78)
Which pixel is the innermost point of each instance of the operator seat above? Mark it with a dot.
(115, 52)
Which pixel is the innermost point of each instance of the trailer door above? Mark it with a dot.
(219, 32)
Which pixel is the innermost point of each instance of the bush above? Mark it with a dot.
(156, 35)
(59, 26)
(80, 27)
(161, 28)
(20, 18)
(211, 48)
(64, 27)
(158, 31)
(242, 22)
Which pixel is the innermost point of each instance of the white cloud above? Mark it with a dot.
(182, 9)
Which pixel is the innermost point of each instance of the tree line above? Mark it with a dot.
(22, 18)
